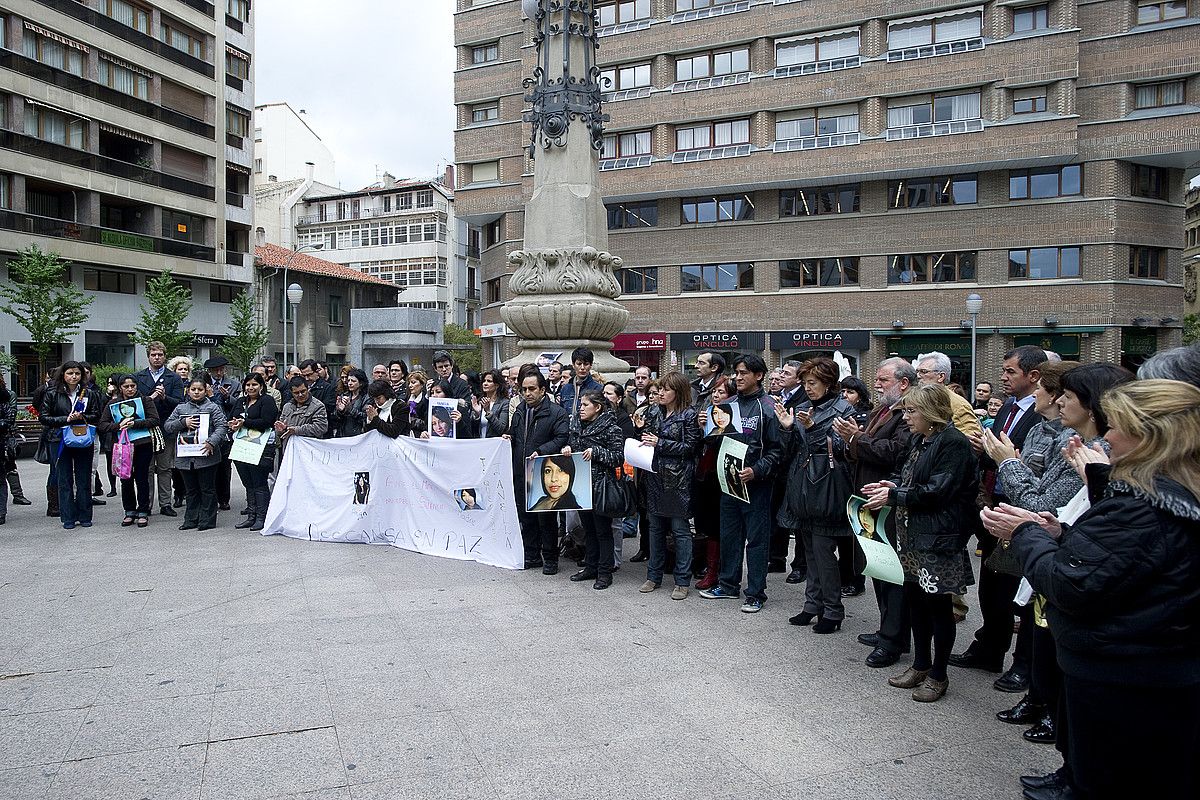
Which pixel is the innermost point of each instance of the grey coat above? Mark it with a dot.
(1042, 480)
(218, 431)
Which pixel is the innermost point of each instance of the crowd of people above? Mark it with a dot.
(1078, 483)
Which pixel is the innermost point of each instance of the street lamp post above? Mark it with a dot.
(287, 263)
(974, 306)
(295, 294)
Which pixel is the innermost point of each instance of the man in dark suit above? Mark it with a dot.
(319, 389)
(791, 394)
(165, 388)
(1019, 377)
(710, 368)
(874, 455)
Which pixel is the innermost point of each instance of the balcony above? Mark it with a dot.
(711, 11)
(202, 6)
(473, 293)
(932, 50)
(816, 142)
(472, 251)
(935, 129)
(234, 82)
(710, 153)
(626, 94)
(815, 67)
(9, 140)
(72, 8)
(718, 81)
(370, 213)
(65, 229)
(235, 199)
(623, 27)
(234, 24)
(56, 77)
(235, 259)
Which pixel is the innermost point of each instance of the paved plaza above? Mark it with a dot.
(212, 666)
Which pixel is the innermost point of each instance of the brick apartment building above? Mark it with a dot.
(788, 176)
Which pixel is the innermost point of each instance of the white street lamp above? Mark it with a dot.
(287, 263)
(295, 294)
(974, 306)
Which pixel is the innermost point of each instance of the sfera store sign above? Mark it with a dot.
(820, 340)
(718, 340)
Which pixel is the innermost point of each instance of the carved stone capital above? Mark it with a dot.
(564, 271)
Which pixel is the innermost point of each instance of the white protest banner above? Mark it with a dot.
(404, 492)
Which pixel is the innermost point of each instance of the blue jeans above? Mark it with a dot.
(746, 533)
(658, 549)
(73, 468)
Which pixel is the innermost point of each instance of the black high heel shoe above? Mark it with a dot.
(802, 619)
(827, 625)
(639, 556)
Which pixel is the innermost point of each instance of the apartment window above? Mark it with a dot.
(638, 280)
(54, 126)
(492, 290)
(632, 76)
(5, 191)
(237, 64)
(936, 108)
(237, 122)
(717, 277)
(492, 233)
(483, 53)
(1147, 262)
(127, 13)
(335, 310)
(713, 134)
(947, 190)
(181, 38)
(704, 65)
(105, 280)
(632, 215)
(1031, 184)
(1031, 18)
(931, 267)
(1151, 11)
(797, 273)
(819, 200)
(59, 53)
(485, 112)
(930, 31)
(238, 9)
(613, 12)
(622, 145)
(789, 52)
(485, 172)
(816, 122)
(184, 227)
(258, 165)
(124, 79)
(425, 198)
(222, 293)
(1150, 182)
(1029, 101)
(1044, 262)
(723, 208)
(1158, 95)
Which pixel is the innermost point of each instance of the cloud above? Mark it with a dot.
(376, 78)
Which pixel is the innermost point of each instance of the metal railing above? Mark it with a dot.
(235, 199)
(94, 234)
(368, 213)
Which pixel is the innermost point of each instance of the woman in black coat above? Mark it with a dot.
(933, 499)
(255, 410)
(385, 413)
(349, 414)
(817, 491)
(135, 490)
(596, 435)
(69, 402)
(1122, 588)
(675, 437)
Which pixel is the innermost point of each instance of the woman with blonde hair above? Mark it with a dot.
(1122, 588)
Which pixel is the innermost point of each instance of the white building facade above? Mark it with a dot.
(284, 144)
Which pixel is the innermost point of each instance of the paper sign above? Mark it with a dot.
(558, 483)
(638, 456)
(440, 424)
(191, 442)
(248, 446)
(723, 418)
(868, 526)
(731, 459)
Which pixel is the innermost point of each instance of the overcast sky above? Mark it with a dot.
(374, 76)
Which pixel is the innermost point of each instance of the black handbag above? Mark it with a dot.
(1004, 559)
(825, 495)
(42, 456)
(612, 496)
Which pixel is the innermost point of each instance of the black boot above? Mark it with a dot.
(251, 510)
(262, 501)
(51, 501)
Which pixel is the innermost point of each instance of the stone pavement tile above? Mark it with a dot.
(345, 605)
(42, 738)
(338, 660)
(357, 697)
(497, 733)
(166, 774)
(681, 764)
(285, 603)
(274, 709)
(145, 725)
(268, 667)
(469, 783)
(26, 783)
(340, 793)
(263, 767)
(581, 774)
(384, 748)
(50, 691)
(159, 675)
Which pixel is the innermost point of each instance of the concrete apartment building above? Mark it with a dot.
(125, 136)
(792, 177)
(285, 144)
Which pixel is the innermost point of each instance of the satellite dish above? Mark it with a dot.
(529, 8)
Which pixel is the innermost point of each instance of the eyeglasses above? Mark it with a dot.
(923, 372)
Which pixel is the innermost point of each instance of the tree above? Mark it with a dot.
(246, 338)
(43, 301)
(1191, 329)
(467, 360)
(167, 305)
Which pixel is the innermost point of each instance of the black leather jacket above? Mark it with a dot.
(669, 487)
(603, 435)
(941, 496)
(547, 432)
(808, 450)
(56, 406)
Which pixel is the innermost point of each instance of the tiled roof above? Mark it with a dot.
(272, 255)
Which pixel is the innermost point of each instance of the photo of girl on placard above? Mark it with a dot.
(723, 418)
(558, 483)
(130, 409)
(467, 499)
(441, 423)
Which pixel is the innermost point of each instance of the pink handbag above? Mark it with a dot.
(123, 456)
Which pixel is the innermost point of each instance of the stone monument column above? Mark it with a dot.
(563, 287)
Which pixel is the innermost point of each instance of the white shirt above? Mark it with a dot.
(1021, 407)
